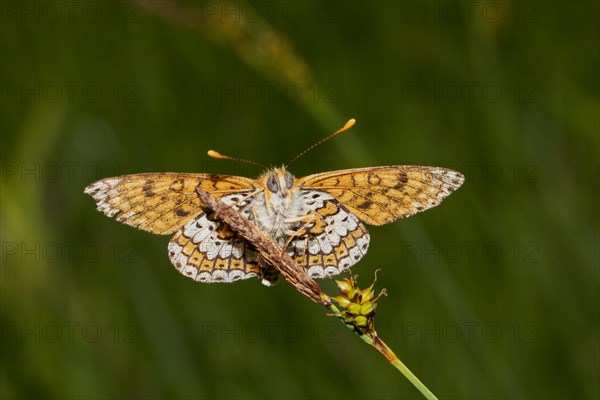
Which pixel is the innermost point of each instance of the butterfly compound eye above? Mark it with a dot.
(272, 183)
(289, 180)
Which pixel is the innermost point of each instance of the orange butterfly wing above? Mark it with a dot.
(380, 195)
(161, 203)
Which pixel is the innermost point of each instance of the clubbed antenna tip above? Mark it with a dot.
(346, 126)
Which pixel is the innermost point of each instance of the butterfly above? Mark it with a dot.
(318, 219)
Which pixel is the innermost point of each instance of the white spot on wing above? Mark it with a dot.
(189, 270)
(316, 271)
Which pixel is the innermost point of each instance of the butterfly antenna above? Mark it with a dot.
(216, 154)
(344, 128)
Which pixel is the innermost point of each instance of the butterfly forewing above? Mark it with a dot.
(381, 195)
(160, 202)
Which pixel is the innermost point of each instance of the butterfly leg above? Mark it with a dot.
(243, 199)
(240, 202)
(307, 219)
(254, 215)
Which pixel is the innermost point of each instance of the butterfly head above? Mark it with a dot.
(278, 181)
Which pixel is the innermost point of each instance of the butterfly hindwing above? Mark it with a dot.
(380, 195)
(207, 250)
(160, 202)
(332, 241)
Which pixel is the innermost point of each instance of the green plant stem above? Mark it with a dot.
(384, 349)
(378, 344)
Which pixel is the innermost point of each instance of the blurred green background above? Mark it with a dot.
(494, 294)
